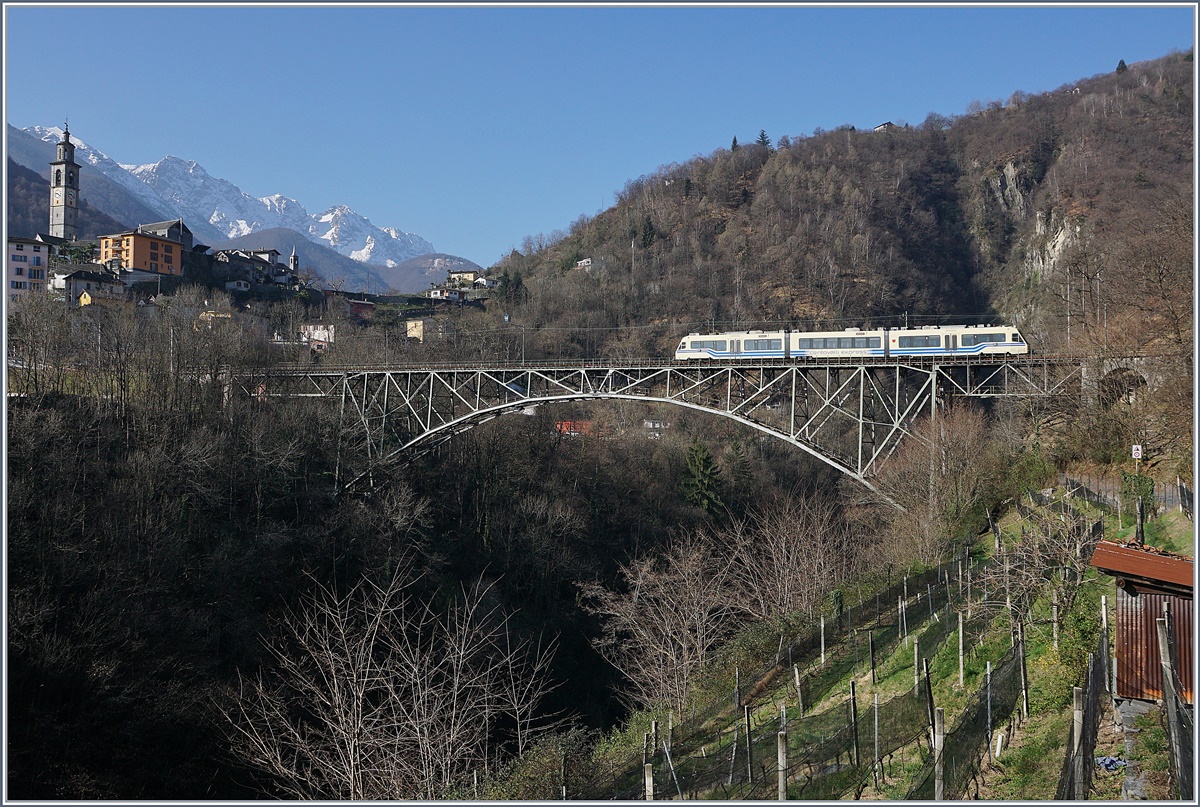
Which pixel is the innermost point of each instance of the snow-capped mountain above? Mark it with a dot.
(216, 209)
(102, 163)
(353, 235)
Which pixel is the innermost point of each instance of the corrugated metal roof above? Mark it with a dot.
(1144, 563)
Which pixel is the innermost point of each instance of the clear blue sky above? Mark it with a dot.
(475, 127)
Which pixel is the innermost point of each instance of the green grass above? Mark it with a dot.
(1030, 767)
(1030, 770)
(1151, 748)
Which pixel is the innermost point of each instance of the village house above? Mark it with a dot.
(448, 295)
(173, 230)
(26, 262)
(256, 266)
(361, 310)
(56, 247)
(154, 248)
(577, 428)
(464, 277)
(85, 287)
(317, 336)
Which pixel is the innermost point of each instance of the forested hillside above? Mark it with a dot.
(1067, 213)
(186, 579)
(995, 213)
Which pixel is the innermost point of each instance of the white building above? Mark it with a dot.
(25, 263)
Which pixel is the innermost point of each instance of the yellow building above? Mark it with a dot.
(141, 249)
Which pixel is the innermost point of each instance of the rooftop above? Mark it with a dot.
(1145, 563)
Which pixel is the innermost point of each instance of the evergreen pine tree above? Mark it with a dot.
(734, 145)
(1121, 66)
(700, 479)
(647, 232)
(763, 140)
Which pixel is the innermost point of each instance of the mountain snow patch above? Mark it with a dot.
(183, 189)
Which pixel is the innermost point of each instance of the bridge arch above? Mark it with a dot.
(1121, 385)
(850, 414)
(423, 443)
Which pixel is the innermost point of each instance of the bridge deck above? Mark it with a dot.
(850, 413)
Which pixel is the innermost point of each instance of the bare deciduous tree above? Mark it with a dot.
(374, 695)
(938, 479)
(674, 611)
(790, 555)
(1054, 549)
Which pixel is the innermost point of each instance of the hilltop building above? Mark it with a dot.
(256, 266)
(463, 277)
(157, 248)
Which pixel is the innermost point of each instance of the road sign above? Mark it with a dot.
(1137, 452)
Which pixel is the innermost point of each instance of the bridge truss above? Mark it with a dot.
(851, 414)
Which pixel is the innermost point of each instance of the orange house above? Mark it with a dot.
(137, 249)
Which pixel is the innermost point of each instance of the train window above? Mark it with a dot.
(920, 341)
(969, 339)
(1016, 337)
(866, 341)
(708, 344)
(763, 344)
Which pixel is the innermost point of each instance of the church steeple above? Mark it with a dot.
(64, 189)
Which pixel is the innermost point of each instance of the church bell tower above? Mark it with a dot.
(64, 190)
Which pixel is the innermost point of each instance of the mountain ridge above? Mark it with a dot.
(216, 209)
(340, 271)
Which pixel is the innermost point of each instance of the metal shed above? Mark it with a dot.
(1148, 580)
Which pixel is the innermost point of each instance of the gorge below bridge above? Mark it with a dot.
(849, 413)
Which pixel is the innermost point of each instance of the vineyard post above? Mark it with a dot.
(749, 748)
(939, 762)
(928, 694)
(961, 680)
(1077, 749)
(1024, 674)
(854, 721)
(916, 667)
(781, 753)
(989, 709)
(876, 767)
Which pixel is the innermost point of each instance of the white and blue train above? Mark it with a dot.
(928, 340)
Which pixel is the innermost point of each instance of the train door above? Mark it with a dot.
(735, 347)
(951, 342)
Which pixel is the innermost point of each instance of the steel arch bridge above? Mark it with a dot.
(850, 414)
